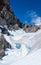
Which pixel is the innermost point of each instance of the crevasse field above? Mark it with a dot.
(26, 48)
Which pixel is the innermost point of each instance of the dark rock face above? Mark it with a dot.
(3, 46)
(7, 14)
(2, 21)
(2, 53)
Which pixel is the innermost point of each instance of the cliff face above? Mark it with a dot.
(7, 17)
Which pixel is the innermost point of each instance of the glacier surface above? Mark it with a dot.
(30, 51)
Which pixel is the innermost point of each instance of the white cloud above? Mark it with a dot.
(34, 17)
(37, 20)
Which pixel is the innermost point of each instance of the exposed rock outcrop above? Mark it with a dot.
(7, 16)
(30, 28)
(3, 45)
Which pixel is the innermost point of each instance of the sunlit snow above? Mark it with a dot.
(27, 53)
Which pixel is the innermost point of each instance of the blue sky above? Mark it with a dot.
(24, 9)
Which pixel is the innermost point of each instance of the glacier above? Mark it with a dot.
(29, 52)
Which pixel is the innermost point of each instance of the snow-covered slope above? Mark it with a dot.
(31, 59)
(28, 53)
(31, 40)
